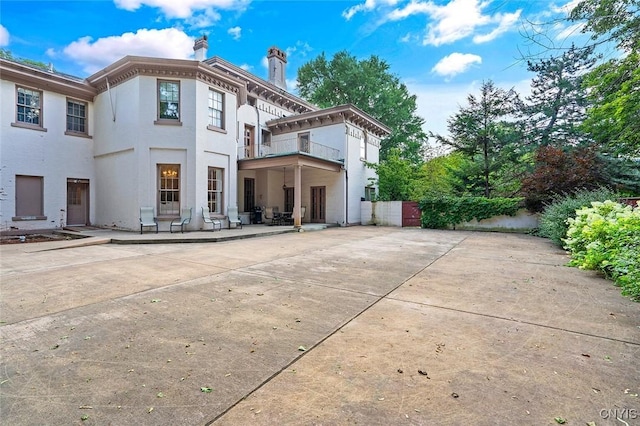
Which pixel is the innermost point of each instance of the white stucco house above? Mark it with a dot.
(173, 134)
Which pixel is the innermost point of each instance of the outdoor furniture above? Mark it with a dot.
(147, 218)
(303, 211)
(185, 218)
(215, 223)
(277, 216)
(268, 214)
(232, 214)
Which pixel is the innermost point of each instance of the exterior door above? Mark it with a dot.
(288, 199)
(249, 194)
(318, 204)
(77, 202)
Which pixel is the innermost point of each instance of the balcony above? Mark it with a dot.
(290, 146)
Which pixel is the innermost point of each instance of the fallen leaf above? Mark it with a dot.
(150, 409)
(205, 389)
(560, 420)
(84, 417)
(155, 300)
(455, 395)
(586, 355)
(160, 395)
(302, 348)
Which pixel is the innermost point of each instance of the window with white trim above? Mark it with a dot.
(216, 109)
(169, 100)
(76, 116)
(29, 106)
(363, 147)
(168, 189)
(214, 190)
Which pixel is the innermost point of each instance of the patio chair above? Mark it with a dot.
(267, 212)
(147, 218)
(185, 219)
(215, 223)
(303, 211)
(232, 214)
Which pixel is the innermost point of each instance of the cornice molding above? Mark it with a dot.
(46, 81)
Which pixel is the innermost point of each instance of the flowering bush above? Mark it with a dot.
(606, 237)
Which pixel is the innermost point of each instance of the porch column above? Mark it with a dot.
(297, 196)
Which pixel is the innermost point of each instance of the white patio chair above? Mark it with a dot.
(148, 218)
(215, 223)
(232, 215)
(185, 219)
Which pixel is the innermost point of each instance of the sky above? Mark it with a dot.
(441, 49)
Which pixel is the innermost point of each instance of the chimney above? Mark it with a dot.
(277, 62)
(200, 47)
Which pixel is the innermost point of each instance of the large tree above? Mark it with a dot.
(615, 85)
(554, 112)
(370, 86)
(484, 131)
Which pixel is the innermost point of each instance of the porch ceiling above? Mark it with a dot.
(278, 162)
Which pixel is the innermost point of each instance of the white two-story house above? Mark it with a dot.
(175, 134)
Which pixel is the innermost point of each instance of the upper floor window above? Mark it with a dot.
(304, 142)
(216, 109)
(169, 100)
(76, 116)
(29, 106)
(363, 147)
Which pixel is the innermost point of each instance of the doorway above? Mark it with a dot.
(318, 204)
(78, 202)
(249, 194)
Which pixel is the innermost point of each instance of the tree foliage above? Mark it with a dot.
(484, 133)
(559, 171)
(557, 106)
(396, 177)
(615, 92)
(369, 85)
(615, 85)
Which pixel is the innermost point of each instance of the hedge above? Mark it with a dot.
(444, 212)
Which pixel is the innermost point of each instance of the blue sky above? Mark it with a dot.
(442, 49)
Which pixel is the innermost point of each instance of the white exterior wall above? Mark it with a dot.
(134, 146)
(51, 154)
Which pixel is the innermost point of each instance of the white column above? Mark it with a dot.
(297, 196)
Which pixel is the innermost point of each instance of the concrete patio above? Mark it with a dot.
(363, 325)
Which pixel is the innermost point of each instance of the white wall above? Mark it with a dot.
(51, 154)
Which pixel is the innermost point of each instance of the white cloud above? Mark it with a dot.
(4, 36)
(182, 8)
(246, 67)
(367, 6)
(505, 23)
(203, 20)
(565, 8)
(235, 32)
(301, 48)
(570, 31)
(95, 55)
(455, 63)
(447, 23)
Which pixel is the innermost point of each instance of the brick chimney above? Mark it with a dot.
(200, 47)
(277, 62)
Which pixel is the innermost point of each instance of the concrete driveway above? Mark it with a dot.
(359, 325)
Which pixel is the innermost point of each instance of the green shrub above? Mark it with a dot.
(553, 221)
(606, 237)
(448, 211)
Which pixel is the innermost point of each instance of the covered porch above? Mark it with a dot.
(294, 184)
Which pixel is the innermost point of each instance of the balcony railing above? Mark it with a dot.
(290, 146)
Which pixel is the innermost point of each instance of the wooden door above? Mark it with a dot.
(249, 194)
(77, 202)
(318, 204)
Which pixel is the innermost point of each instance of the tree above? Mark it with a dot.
(370, 86)
(396, 177)
(483, 133)
(615, 85)
(610, 21)
(558, 101)
(615, 92)
(559, 171)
